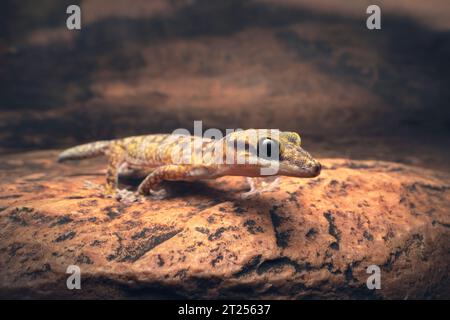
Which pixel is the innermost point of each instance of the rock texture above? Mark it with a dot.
(311, 239)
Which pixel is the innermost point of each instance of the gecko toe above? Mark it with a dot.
(250, 194)
(127, 197)
(159, 194)
(261, 185)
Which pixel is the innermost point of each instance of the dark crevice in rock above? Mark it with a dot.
(34, 274)
(216, 260)
(202, 230)
(368, 235)
(114, 211)
(311, 234)
(443, 224)
(84, 259)
(13, 248)
(269, 265)
(10, 196)
(239, 210)
(138, 248)
(134, 254)
(61, 221)
(252, 227)
(352, 288)
(333, 230)
(293, 197)
(65, 236)
(415, 239)
(161, 261)
(348, 273)
(18, 215)
(358, 293)
(218, 233)
(249, 267)
(439, 188)
(359, 166)
(282, 237)
(131, 290)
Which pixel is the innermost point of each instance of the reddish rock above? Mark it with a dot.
(310, 239)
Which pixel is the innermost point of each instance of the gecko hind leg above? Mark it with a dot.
(89, 185)
(116, 158)
(116, 166)
(123, 195)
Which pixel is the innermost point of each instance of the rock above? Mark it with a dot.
(311, 239)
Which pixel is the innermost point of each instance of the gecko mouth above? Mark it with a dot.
(306, 170)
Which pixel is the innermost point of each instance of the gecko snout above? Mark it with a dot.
(317, 167)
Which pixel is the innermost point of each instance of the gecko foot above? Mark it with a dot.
(103, 192)
(159, 194)
(122, 195)
(89, 185)
(261, 185)
(127, 197)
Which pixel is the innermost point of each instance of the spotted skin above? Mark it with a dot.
(164, 157)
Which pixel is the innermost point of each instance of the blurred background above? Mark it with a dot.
(140, 67)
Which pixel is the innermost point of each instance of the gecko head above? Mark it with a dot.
(294, 160)
(266, 149)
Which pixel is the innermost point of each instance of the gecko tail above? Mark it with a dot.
(84, 151)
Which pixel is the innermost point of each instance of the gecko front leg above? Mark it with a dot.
(259, 185)
(151, 184)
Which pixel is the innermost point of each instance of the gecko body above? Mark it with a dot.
(168, 157)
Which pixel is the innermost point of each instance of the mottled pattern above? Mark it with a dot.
(165, 157)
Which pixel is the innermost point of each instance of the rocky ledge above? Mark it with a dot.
(311, 239)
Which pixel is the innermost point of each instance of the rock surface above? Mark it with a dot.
(311, 239)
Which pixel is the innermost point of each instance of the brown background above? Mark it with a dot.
(155, 66)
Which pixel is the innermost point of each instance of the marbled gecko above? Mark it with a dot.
(207, 159)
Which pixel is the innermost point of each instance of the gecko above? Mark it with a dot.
(206, 158)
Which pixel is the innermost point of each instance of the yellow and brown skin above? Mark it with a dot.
(155, 154)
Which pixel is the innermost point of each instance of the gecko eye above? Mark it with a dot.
(268, 149)
(294, 137)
